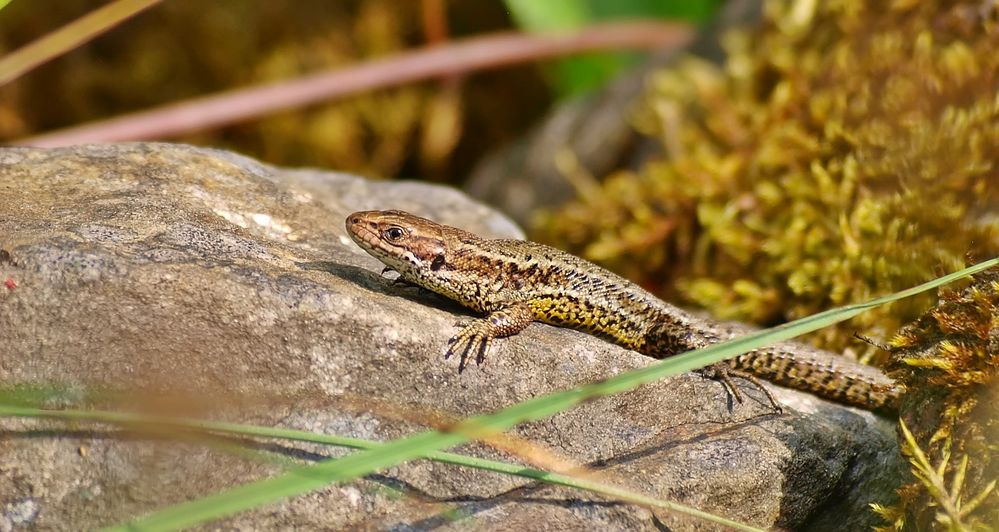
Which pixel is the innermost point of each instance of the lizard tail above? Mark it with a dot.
(823, 374)
(793, 365)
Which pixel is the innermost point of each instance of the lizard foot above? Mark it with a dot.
(474, 338)
(724, 373)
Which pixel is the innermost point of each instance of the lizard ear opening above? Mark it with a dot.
(437, 263)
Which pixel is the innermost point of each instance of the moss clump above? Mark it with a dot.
(845, 149)
(949, 362)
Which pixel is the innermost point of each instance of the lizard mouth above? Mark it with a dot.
(368, 240)
(360, 231)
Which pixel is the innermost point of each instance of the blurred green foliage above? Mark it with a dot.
(844, 149)
(576, 75)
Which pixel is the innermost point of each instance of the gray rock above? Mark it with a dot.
(194, 282)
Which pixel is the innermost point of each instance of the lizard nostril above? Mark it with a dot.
(355, 220)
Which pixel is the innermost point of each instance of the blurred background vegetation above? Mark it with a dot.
(435, 130)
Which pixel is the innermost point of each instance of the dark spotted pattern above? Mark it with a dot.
(516, 282)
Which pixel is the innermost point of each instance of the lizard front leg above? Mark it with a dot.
(477, 335)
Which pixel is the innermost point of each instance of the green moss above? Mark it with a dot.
(845, 149)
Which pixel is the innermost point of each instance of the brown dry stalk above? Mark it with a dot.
(457, 57)
(69, 37)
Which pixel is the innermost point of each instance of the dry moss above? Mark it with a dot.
(845, 149)
(949, 362)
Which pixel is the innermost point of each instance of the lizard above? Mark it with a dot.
(517, 282)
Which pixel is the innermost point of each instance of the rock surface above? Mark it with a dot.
(196, 282)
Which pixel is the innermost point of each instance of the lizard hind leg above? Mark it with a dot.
(475, 337)
(671, 336)
(723, 372)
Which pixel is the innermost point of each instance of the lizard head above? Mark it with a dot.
(408, 244)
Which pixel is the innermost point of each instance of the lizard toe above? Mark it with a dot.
(480, 355)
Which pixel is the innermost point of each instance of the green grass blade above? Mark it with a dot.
(301, 480)
(129, 419)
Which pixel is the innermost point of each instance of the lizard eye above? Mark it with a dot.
(394, 233)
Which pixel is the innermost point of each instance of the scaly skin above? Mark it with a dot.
(516, 282)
